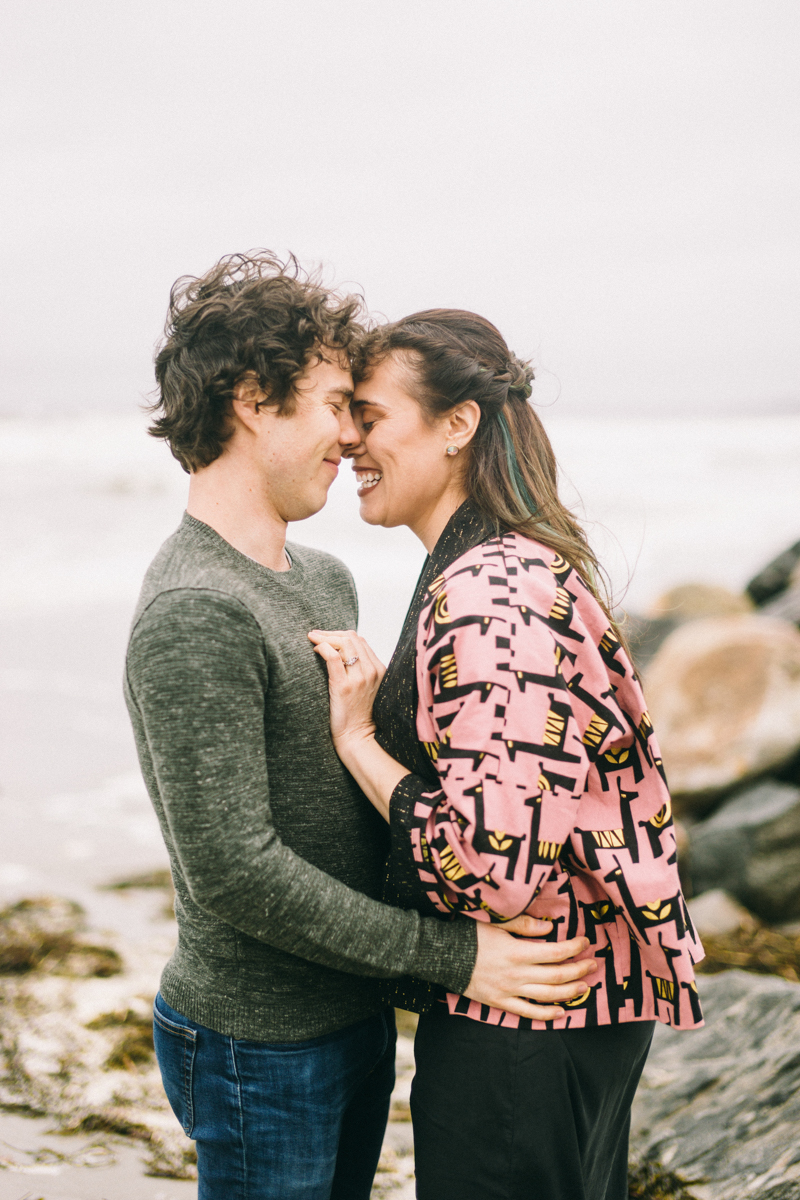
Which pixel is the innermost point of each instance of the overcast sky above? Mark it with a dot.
(613, 182)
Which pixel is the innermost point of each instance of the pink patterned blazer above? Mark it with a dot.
(550, 796)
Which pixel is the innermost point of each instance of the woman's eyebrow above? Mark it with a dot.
(367, 404)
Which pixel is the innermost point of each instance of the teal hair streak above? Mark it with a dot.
(517, 482)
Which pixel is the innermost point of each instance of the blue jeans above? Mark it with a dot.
(279, 1121)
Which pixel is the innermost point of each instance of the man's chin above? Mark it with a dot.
(301, 510)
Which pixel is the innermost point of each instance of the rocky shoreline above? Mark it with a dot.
(76, 1042)
(76, 1047)
(718, 1111)
(720, 1107)
(716, 1115)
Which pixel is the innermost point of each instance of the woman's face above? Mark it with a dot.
(404, 475)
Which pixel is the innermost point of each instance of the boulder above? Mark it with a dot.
(721, 1105)
(724, 696)
(688, 602)
(693, 601)
(716, 912)
(775, 577)
(751, 847)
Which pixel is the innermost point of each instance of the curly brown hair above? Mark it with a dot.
(251, 315)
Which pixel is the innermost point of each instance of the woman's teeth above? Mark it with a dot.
(369, 480)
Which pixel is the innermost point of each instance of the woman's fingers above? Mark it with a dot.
(372, 657)
(352, 688)
(333, 636)
(348, 642)
(337, 671)
(331, 655)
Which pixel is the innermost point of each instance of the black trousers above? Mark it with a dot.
(523, 1114)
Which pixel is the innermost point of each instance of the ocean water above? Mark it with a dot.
(85, 503)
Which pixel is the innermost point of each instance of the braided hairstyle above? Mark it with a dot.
(510, 470)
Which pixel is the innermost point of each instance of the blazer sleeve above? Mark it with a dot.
(513, 710)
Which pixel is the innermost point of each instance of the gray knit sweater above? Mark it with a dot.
(277, 856)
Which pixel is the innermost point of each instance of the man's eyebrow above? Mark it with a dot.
(346, 393)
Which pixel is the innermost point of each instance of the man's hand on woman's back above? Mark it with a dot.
(524, 976)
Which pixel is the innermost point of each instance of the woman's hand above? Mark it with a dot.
(352, 690)
(352, 687)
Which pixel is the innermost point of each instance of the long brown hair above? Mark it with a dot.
(510, 470)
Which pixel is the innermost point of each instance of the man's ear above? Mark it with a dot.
(246, 402)
(462, 423)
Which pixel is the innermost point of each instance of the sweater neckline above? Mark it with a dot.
(242, 561)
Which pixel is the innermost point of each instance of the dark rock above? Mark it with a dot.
(135, 1043)
(789, 772)
(774, 578)
(751, 848)
(721, 1105)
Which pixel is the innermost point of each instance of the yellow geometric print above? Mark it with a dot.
(561, 605)
(441, 614)
(609, 839)
(451, 867)
(448, 671)
(596, 730)
(554, 728)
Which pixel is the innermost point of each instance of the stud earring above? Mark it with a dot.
(451, 450)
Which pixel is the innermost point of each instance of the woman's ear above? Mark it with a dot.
(462, 422)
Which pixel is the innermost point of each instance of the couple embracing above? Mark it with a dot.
(480, 832)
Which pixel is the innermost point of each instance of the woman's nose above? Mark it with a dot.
(349, 436)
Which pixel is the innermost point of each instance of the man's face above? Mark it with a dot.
(297, 456)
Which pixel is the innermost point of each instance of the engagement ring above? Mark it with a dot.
(348, 662)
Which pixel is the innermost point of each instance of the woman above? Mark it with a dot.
(513, 756)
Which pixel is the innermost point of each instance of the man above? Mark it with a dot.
(275, 1048)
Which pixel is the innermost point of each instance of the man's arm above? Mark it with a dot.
(197, 675)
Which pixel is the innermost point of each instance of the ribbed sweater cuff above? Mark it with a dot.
(446, 952)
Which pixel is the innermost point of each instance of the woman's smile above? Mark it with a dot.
(367, 477)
